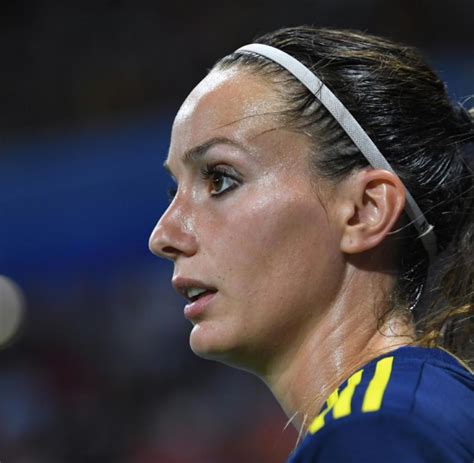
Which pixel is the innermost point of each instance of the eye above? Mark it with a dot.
(221, 179)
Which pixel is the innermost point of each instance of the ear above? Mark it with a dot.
(374, 201)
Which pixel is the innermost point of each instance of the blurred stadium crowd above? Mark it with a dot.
(99, 369)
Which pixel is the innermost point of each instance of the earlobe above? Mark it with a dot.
(376, 198)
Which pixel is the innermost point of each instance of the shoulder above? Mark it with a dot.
(410, 405)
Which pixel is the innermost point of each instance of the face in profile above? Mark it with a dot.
(250, 229)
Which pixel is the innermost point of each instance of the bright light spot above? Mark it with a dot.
(12, 309)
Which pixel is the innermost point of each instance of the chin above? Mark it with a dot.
(210, 344)
(206, 342)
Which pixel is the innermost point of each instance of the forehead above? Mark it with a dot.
(227, 103)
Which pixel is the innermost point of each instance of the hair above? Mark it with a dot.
(404, 107)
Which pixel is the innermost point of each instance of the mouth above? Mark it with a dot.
(192, 290)
(193, 294)
(198, 294)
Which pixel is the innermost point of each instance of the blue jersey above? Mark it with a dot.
(410, 405)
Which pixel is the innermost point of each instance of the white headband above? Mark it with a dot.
(353, 129)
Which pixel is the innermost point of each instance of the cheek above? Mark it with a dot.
(267, 250)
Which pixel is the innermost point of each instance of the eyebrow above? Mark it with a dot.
(196, 152)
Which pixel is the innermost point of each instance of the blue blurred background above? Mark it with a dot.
(97, 367)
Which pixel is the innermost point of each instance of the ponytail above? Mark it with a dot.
(449, 320)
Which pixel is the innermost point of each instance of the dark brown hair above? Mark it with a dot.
(404, 108)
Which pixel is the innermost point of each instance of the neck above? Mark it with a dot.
(341, 341)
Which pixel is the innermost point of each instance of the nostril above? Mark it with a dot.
(169, 241)
(169, 250)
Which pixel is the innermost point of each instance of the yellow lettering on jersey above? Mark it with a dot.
(318, 422)
(343, 406)
(376, 388)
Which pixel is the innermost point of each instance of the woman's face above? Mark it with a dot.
(247, 223)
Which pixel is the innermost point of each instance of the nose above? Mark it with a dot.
(173, 235)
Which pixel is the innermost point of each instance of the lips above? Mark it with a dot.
(191, 289)
(198, 294)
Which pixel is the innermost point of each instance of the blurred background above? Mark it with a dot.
(94, 357)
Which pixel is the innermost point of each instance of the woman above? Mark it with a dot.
(319, 178)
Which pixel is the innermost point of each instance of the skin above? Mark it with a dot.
(298, 262)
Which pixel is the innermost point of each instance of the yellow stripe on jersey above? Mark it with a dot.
(343, 406)
(376, 388)
(341, 402)
(318, 422)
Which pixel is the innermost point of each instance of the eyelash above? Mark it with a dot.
(209, 172)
